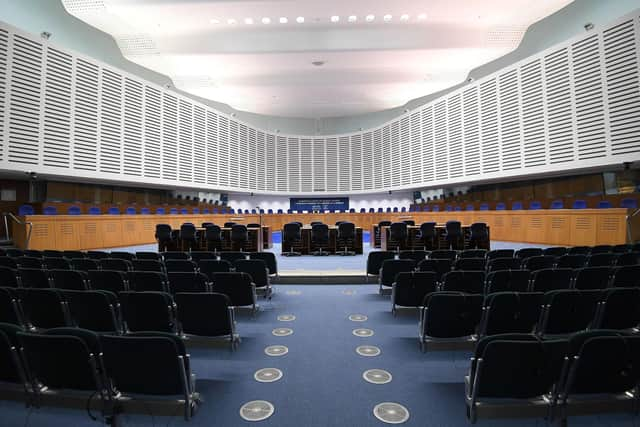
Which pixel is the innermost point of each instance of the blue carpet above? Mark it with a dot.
(322, 384)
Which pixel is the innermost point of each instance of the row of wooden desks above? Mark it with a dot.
(306, 246)
(380, 238)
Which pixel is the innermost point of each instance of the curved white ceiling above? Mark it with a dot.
(221, 50)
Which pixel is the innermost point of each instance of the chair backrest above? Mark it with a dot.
(619, 308)
(269, 259)
(484, 206)
(210, 266)
(96, 311)
(147, 281)
(538, 262)
(453, 228)
(496, 264)
(204, 314)
(347, 230)
(591, 278)
(416, 256)
(451, 314)
(148, 311)
(550, 279)
(113, 211)
(74, 210)
(50, 210)
(477, 264)
(500, 206)
(579, 204)
(535, 205)
(56, 263)
(161, 211)
(398, 231)
(479, 231)
(507, 281)
(187, 231)
(629, 203)
(516, 206)
(427, 230)
(500, 253)
(116, 264)
(601, 260)
(163, 232)
(34, 278)
(180, 265)
(391, 267)
(557, 204)
(571, 261)
(439, 266)
(291, 232)
(256, 268)
(568, 311)
(471, 282)
(26, 210)
(411, 287)
(108, 280)
(69, 279)
(237, 286)
(319, 233)
(375, 259)
(626, 276)
(510, 312)
(130, 211)
(187, 282)
(604, 204)
(85, 264)
(239, 233)
(528, 252)
(555, 251)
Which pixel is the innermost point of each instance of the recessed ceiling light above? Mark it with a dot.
(318, 63)
(387, 18)
(214, 21)
(404, 17)
(335, 18)
(231, 21)
(283, 20)
(248, 21)
(352, 18)
(300, 19)
(266, 20)
(370, 18)
(422, 16)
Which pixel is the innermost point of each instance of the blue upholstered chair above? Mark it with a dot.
(196, 211)
(484, 206)
(448, 208)
(113, 210)
(363, 210)
(160, 211)
(395, 209)
(206, 211)
(215, 211)
(501, 206)
(412, 209)
(261, 211)
(184, 211)
(25, 210)
(436, 208)
(372, 210)
(289, 211)
(224, 211)
(469, 208)
(388, 209)
(629, 203)
(232, 211)
(604, 204)
(253, 211)
(535, 205)
(557, 204)
(74, 210)
(426, 208)
(516, 206)
(579, 204)
(280, 211)
(94, 210)
(403, 209)
(380, 210)
(269, 211)
(145, 211)
(50, 210)
(173, 211)
(457, 208)
(130, 211)
(240, 211)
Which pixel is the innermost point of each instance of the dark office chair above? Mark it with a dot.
(479, 237)
(239, 237)
(409, 222)
(453, 235)
(188, 236)
(291, 235)
(427, 235)
(213, 237)
(320, 238)
(163, 236)
(398, 235)
(229, 224)
(346, 236)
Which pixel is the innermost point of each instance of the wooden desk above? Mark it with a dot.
(413, 243)
(305, 246)
(563, 227)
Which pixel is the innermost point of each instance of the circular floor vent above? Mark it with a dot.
(256, 410)
(362, 332)
(282, 332)
(358, 318)
(286, 318)
(276, 350)
(293, 292)
(377, 376)
(391, 413)
(368, 350)
(267, 375)
(348, 292)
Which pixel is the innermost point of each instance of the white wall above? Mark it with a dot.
(382, 200)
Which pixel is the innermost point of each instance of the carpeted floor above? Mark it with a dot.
(322, 384)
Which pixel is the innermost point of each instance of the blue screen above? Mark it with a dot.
(319, 204)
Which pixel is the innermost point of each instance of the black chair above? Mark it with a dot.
(628, 258)
(172, 265)
(449, 317)
(14, 252)
(470, 264)
(65, 359)
(10, 307)
(479, 235)
(108, 280)
(374, 262)
(538, 262)
(51, 253)
(8, 262)
(32, 253)
(164, 237)
(187, 282)
(591, 278)
(34, 278)
(12, 369)
(601, 249)
(239, 237)
(416, 256)
(566, 311)
(473, 253)
(8, 277)
(129, 256)
(131, 370)
(346, 238)
(116, 264)
(198, 256)
(229, 224)
(605, 259)
(85, 264)
(556, 251)
(510, 312)
(551, 279)
(398, 235)
(626, 276)
(257, 269)
(621, 249)
(210, 266)
(439, 266)
(29, 262)
(500, 253)
(148, 311)
(45, 308)
(232, 257)
(175, 255)
(409, 222)
(579, 250)
(411, 287)
(70, 279)
(71, 254)
(207, 315)
(507, 281)
(148, 281)
(496, 264)
(571, 261)
(390, 268)
(529, 252)
(238, 287)
(97, 255)
(470, 282)
(443, 254)
(269, 259)
(56, 263)
(291, 235)
(453, 235)
(320, 239)
(97, 311)
(188, 237)
(153, 256)
(619, 308)
(147, 265)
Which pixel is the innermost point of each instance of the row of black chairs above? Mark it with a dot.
(591, 371)
(458, 317)
(188, 237)
(110, 369)
(427, 236)
(319, 238)
(207, 313)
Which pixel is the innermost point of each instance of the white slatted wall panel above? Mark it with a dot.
(623, 79)
(574, 105)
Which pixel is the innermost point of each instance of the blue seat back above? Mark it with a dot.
(145, 211)
(500, 206)
(516, 206)
(604, 204)
(94, 210)
(74, 210)
(557, 204)
(25, 210)
(50, 210)
(535, 205)
(629, 203)
(160, 211)
(130, 210)
(484, 207)
(113, 211)
(579, 204)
